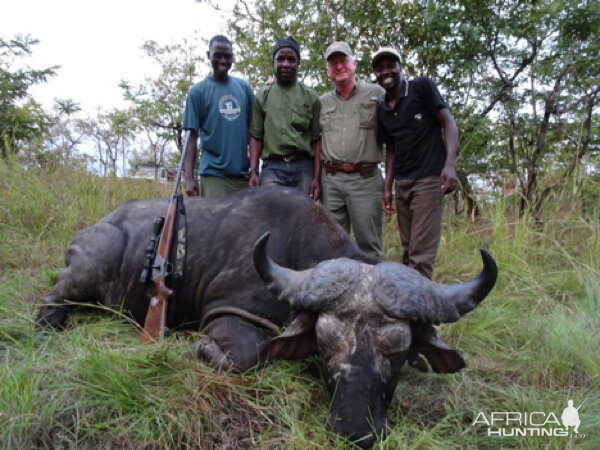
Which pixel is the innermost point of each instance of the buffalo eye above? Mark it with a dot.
(393, 338)
(331, 334)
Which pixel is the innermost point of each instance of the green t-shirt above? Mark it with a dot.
(286, 119)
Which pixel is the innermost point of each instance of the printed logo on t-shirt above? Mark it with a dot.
(229, 107)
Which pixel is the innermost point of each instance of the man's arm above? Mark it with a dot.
(387, 201)
(448, 176)
(191, 181)
(256, 147)
(315, 184)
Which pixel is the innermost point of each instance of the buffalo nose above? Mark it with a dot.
(365, 442)
(363, 436)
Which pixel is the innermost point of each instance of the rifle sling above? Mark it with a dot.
(178, 257)
(232, 310)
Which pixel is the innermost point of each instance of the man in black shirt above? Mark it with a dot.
(411, 119)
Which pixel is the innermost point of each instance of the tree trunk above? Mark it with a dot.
(466, 189)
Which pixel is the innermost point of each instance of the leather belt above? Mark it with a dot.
(290, 157)
(363, 168)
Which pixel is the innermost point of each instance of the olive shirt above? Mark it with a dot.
(350, 125)
(286, 119)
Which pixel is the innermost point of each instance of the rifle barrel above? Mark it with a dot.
(181, 163)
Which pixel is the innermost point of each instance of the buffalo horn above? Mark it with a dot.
(406, 296)
(312, 289)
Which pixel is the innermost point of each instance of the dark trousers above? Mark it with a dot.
(296, 173)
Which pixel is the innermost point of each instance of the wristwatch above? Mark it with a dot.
(252, 169)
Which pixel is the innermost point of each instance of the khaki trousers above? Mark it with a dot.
(419, 209)
(354, 201)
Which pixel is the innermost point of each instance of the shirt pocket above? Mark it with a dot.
(367, 114)
(327, 117)
(300, 117)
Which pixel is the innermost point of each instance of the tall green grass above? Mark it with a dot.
(530, 346)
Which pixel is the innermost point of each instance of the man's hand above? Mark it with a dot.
(387, 201)
(191, 187)
(314, 189)
(448, 179)
(254, 180)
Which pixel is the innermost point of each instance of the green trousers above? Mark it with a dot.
(211, 186)
(354, 201)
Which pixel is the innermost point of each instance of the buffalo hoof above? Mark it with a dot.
(211, 354)
(51, 316)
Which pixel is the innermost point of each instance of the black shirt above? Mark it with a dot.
(411, 126)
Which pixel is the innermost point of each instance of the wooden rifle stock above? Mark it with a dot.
(156, 317)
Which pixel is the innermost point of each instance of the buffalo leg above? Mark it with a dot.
(51, 314)
(231, 343)
(92, 260)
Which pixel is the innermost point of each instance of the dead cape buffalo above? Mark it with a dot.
(362, 318)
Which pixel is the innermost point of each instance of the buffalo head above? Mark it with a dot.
(365, 321)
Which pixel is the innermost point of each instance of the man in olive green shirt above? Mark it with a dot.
(352, 184)
(284, 129)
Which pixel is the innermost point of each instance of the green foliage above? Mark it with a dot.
(21, 118)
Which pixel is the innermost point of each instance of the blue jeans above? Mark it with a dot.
(297, 173)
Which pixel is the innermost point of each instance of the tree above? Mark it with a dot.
(535, 71)
(22, 120)
(66, 133)
(153, 151)
(111, 132)
(158, 104)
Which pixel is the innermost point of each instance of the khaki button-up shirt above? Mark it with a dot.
(349, 125)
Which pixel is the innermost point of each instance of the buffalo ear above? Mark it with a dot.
(298, 341)
(427, 342)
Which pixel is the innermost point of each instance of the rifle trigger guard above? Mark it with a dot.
(162, 267)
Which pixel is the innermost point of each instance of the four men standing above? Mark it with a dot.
(284, 124)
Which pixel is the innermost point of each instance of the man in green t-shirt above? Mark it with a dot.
(284, 129)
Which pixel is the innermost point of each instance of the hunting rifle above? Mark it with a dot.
(156, 317)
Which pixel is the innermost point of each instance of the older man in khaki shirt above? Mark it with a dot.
(352, 184)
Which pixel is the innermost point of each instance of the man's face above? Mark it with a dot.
(286, 64)
(220, 56)
(341, 68)
(387, 72)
